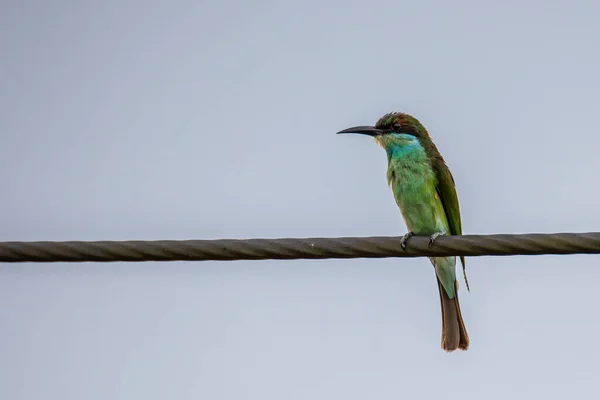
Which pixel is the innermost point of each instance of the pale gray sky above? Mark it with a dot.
(198, 119)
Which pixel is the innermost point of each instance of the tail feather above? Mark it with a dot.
(454, 332)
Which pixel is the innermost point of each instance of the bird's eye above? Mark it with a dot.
(397, 127)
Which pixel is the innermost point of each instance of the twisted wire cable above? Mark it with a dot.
(307, 248)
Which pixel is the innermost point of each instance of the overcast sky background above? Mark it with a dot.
(217, 119)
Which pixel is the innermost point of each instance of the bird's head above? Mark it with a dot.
(392, 127)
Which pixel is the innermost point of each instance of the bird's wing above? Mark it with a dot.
(447, 192)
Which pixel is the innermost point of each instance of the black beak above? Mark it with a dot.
(364, 130)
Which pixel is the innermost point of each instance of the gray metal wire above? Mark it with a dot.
(309, 248)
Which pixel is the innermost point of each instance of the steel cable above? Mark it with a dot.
(308, 248)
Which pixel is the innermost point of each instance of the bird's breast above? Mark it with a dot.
(413, 182)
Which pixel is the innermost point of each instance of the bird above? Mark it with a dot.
(425, 192)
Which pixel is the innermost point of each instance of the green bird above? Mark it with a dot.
(424, 191)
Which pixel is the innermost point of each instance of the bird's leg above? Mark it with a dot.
(405, 239)
(433, 237)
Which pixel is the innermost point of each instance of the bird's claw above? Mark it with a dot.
(404, 240)
(433, 238)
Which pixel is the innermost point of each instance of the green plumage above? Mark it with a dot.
(424, 190)
(445, 182)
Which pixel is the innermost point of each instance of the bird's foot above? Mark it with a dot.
(433, 237)
(405, 238)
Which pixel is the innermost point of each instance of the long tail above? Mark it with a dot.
(454, 332)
